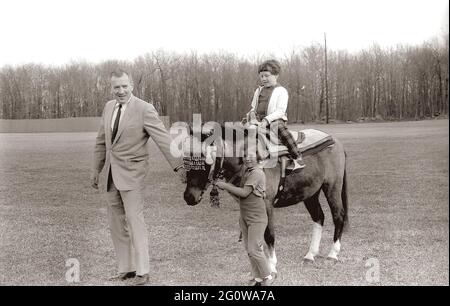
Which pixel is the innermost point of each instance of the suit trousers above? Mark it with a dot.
(128, 229)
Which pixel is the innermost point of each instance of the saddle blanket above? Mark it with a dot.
(310, 141)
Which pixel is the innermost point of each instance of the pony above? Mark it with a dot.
(325, 171)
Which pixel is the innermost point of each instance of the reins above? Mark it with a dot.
(214, 175)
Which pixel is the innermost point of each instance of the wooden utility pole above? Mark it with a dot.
(326, 79)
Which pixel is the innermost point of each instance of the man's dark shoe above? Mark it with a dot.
(123, 276)
(140, 280)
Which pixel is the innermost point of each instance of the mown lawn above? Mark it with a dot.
(398, 188)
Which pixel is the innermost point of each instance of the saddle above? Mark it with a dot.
(306, 140)
(309, 141)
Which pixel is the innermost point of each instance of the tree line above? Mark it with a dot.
(405, 82)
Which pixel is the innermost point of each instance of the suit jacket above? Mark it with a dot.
(277, 104)
(127, 156)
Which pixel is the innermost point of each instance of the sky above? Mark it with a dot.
(55, 32)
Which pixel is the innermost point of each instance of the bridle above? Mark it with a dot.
(216, 170)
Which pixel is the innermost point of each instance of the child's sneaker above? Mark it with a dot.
(268, 281)
(255, 282)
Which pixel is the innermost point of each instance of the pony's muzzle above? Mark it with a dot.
(192, 197)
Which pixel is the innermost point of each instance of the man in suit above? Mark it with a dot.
(121, 147)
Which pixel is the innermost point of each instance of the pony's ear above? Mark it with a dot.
(207, 132)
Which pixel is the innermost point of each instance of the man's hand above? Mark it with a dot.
(182, 174)
(94, 179)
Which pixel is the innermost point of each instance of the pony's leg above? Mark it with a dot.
(315, 210)
(271, 257)
(270, 251)
(269, 237)
(334, 199)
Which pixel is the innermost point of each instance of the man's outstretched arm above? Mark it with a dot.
(156, 129)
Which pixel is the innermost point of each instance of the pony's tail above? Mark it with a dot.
(344, 195)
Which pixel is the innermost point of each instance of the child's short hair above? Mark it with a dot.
(272, 66)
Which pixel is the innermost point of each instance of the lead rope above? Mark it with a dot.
(214, 197)
(214, 193)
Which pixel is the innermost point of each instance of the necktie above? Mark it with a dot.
(116, 124)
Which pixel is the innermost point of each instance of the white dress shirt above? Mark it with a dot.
(116, 108)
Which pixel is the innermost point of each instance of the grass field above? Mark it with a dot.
(399, 215)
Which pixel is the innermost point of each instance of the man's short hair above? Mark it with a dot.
(272, 66)
(117, 73)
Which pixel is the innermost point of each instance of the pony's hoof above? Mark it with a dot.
(332, 259)
(308, 261)
(309, 257)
